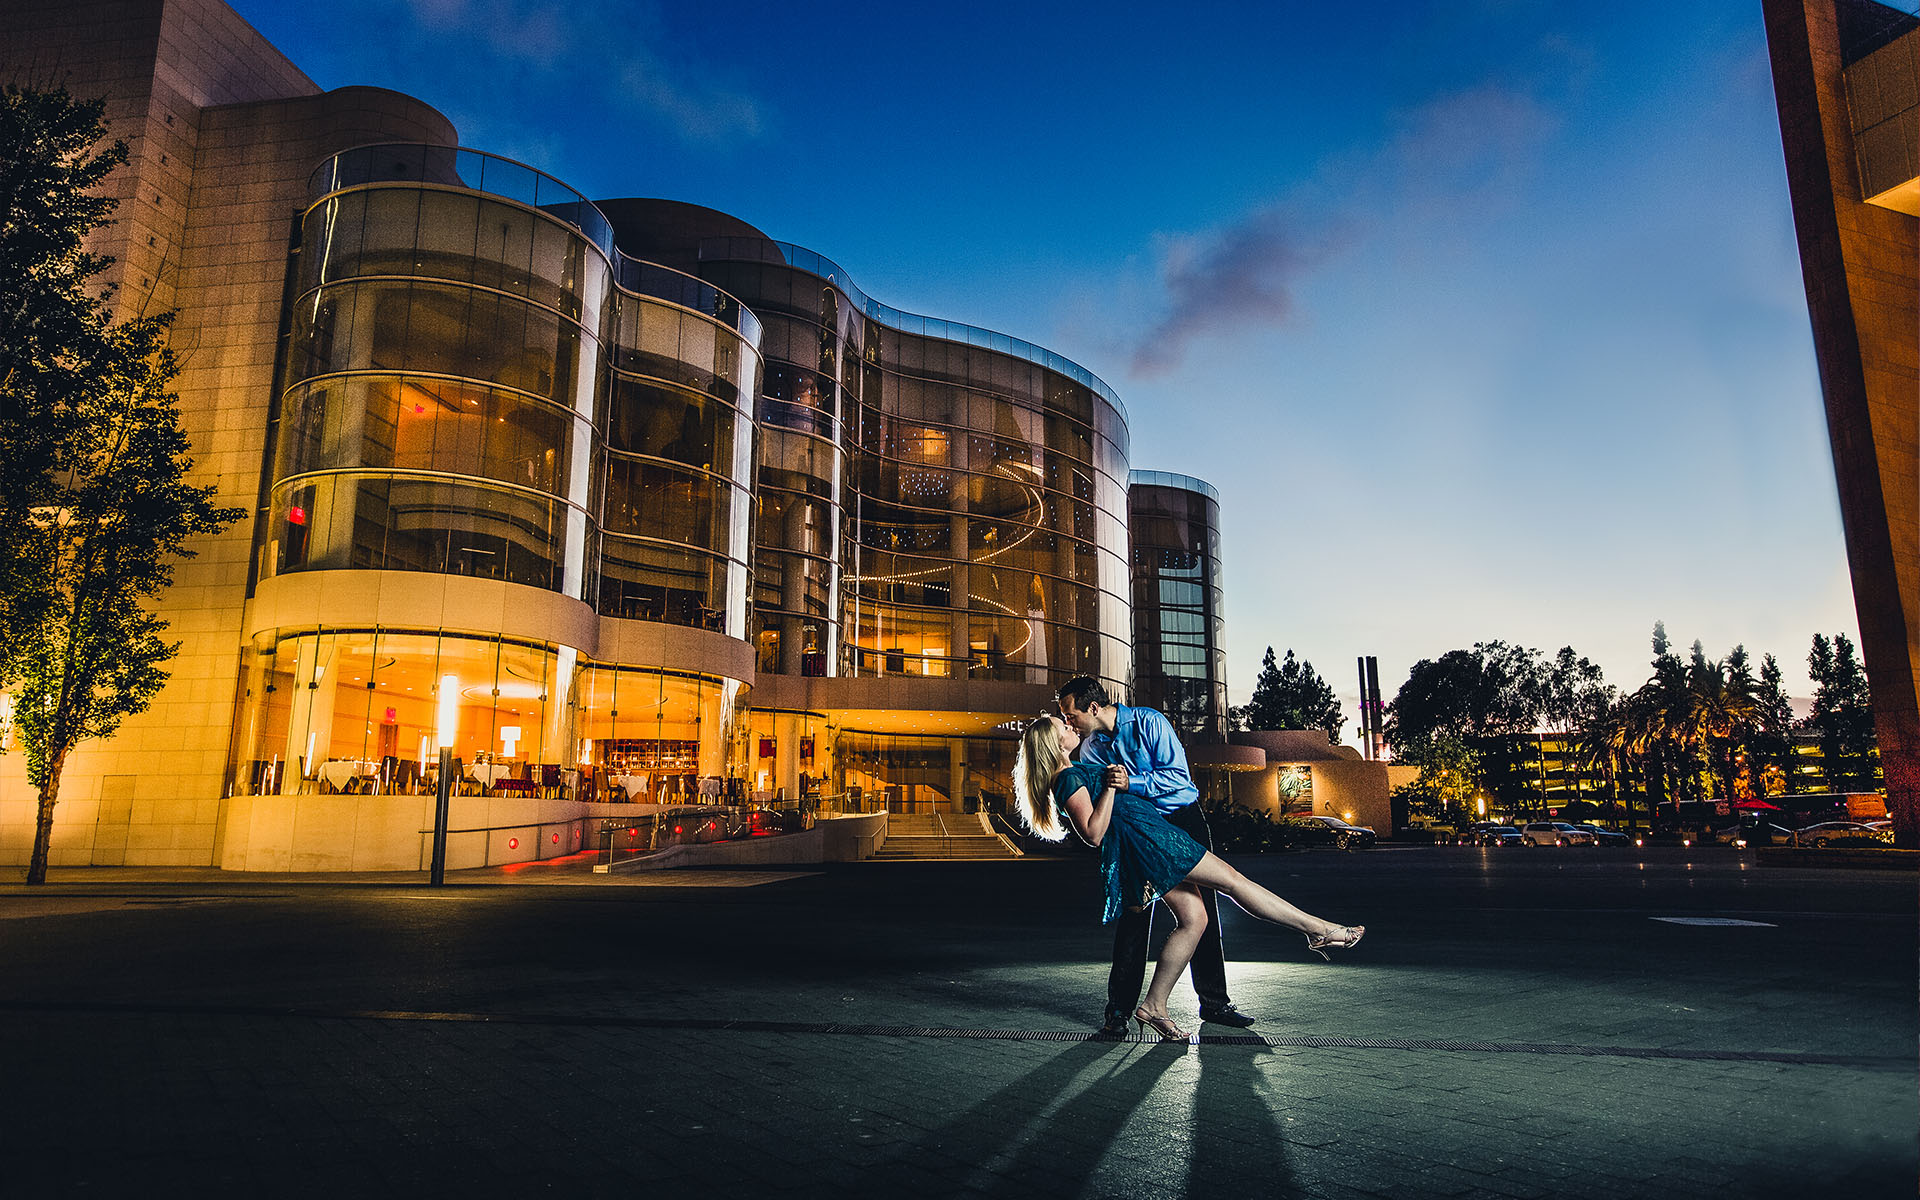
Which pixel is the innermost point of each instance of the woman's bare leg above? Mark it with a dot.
(1215, 872)
(1191, 912)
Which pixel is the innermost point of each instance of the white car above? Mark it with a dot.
(1554, 833)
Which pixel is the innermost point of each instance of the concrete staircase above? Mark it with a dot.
(930, 837)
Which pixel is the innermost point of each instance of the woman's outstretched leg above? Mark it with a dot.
(1215, 872)
(1191, 912)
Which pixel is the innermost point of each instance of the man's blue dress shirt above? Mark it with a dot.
(1143, 742)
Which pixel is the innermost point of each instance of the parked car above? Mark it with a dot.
(1844, 833)
(1308, 830)
(1555, 833)
(1494, 835)
(1764, 834)
(1605, 837)
(1470, 836)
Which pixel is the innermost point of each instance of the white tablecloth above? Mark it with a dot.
(634, 784)
(488, 773)
(341, 771)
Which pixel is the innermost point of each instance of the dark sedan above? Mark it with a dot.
(1307, 831)
(1494, 835)
(1606, 837)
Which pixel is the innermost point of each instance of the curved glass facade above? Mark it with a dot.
(477, 383)
(1179, 612)
(367, 709)
(984, 509)
(677, 495)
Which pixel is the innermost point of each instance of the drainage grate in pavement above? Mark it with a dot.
(718, 1025)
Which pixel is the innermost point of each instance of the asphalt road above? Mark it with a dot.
(1517, 1023)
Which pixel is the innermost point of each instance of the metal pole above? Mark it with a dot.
(443, 792)
(1366, 707)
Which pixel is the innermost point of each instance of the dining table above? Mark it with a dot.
(632, 785)
(340, 773)
(486, 774)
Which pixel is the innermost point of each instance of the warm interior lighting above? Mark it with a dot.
(509, 737)
(449, 719)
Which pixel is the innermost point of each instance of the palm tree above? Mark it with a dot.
(1721, 715)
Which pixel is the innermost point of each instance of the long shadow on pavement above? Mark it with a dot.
(1237, 1145)
(1045, 1133)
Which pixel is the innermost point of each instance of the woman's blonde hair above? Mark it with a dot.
(1041, 756)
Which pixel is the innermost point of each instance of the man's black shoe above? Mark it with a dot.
(1226, 1014)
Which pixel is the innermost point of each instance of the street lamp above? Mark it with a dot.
(448, 727)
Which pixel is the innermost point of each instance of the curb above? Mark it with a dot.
(1854, 860)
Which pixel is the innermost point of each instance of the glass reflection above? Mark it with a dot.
(368, 710)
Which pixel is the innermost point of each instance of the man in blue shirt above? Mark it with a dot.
(1139, 743)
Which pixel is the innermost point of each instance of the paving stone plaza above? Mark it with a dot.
(1516, 1024)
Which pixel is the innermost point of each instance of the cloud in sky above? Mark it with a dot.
(701, 112)
(623, 51)
(1465, 151)
(1238, 275)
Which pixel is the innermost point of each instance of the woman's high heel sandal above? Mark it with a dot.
(1340, 937)
(1164, 1026)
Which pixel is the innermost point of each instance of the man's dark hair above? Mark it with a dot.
(1085, 691)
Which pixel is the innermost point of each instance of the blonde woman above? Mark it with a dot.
(1143, 858)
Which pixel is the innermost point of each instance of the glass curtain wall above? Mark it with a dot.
(470, 390)
(367, 710)
(441, 385)
(988, 538)
(905, 773)
(986, 517)
(1178, 602)
(678, 502)
(812, 341)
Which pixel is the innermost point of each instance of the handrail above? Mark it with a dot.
(497, 175)
(815, 263)
(1172, 479)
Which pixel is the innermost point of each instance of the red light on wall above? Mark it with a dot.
(633, 834)
(676, 829)
(419, 408)
(556, 839)
(513, 843)
(296, 515)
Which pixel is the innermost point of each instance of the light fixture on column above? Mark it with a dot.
(449, 720)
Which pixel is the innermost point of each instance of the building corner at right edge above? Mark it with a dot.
(1846, 76)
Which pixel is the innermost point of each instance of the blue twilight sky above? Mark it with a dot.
(1484, 316)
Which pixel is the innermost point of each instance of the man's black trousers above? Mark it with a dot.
(1132, 930)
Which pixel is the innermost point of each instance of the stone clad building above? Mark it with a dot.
(622, 501)
(1846, 76)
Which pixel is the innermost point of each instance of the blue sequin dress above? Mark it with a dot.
(1143, 856)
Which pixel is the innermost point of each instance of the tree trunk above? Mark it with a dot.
(43, 825)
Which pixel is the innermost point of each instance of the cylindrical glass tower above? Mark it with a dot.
(1178, 607)
(478, 386)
